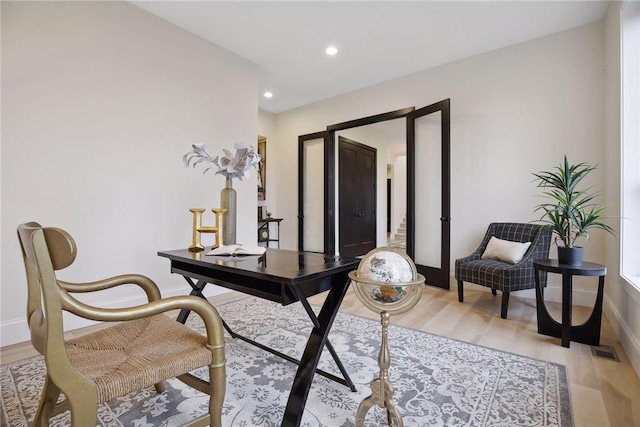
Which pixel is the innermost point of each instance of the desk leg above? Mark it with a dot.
(334, 355)
(313, 350)
(196, 290)
(567, 304)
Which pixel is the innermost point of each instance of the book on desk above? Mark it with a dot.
(237, 250)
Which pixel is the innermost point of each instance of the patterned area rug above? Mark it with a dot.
(437, 381)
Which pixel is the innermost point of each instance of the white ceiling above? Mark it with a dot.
(377, 40)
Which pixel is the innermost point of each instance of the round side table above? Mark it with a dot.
(587, 333)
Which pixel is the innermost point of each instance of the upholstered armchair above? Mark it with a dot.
(500, 269)
(145, 348)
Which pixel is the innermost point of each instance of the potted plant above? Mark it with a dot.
(571, 211)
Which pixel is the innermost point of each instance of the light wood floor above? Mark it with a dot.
(603, 392)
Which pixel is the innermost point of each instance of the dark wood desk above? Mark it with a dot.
(285, 277)
(587, 333)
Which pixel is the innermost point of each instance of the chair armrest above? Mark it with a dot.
(473, 257)
(539, 248)
(148, 285)
(208, 313)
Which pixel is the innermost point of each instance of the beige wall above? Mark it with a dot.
(100, 102)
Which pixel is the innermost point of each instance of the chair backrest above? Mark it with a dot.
(514, 232)
(539, 235)
(44, 251)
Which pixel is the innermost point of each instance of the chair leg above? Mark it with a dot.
(83, 405)
(494, 292)
(460, 291)
(159, 387)
(217, 384)
(50, 395)
(84, 414)
(505, 304)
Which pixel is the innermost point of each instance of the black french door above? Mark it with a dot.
(428, 188)
(428, 191)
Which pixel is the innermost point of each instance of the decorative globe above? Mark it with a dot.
(387, 281)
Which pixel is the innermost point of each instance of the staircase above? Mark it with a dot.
(399, 240)
(401, 234)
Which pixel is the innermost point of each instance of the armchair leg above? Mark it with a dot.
(460, 291)
(84, 407)
(48, 401)
(505, 304)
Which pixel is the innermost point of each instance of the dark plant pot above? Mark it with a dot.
(570, 256)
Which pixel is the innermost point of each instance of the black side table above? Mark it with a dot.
(587, 333)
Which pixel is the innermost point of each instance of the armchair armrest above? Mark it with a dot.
(148, 285)
(208, 313)
(539, 248)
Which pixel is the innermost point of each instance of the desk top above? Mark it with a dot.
(277, 264)
(586, 269)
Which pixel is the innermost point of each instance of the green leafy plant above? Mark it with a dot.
(571, 211)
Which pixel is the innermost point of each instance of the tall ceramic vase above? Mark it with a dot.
(228, 201)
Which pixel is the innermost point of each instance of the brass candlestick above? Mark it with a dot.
(386, 282)
(198, 228)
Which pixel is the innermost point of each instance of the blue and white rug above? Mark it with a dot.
(437, 381)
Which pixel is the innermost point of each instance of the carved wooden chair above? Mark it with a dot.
(144, 349)
(501, 275)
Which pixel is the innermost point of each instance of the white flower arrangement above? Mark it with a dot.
(230, 166)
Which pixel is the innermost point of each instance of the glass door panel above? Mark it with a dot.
(428, 191)
(313, 205)
(311, 192)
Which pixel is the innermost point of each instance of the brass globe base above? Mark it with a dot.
(393, 417)
(381, 387)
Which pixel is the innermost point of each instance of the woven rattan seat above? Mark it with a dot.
(134, 355)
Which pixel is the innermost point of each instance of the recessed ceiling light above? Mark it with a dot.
(331, 50)
(268, 94)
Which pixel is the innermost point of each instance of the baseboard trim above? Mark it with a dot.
(17, 331)
(629, 343)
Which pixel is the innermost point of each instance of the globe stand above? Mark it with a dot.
(381, 387)
(386, 282)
